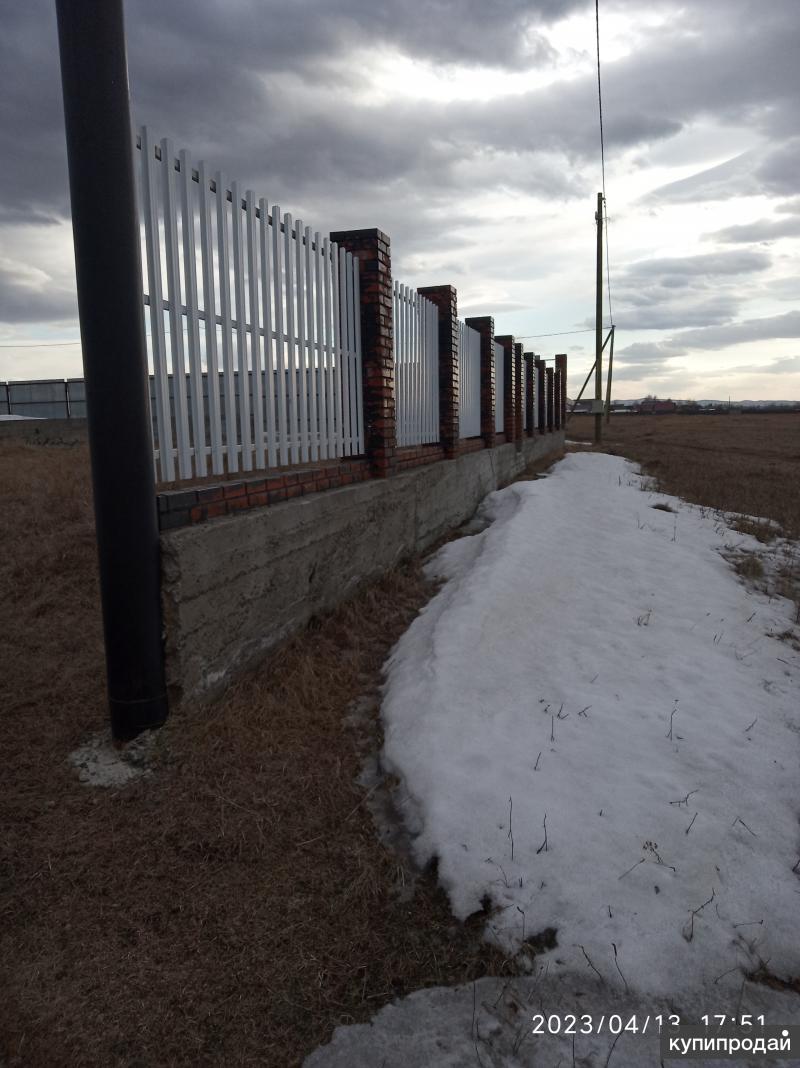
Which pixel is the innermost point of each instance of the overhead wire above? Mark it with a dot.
(602, 158)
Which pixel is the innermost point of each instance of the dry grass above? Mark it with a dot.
(738, 463)
(732, 463)
(235, 906)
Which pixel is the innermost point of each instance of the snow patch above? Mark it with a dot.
(99, 763)
(596, 730)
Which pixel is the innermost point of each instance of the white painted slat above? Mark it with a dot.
(420, 365)
(338, 348)
(302, 355)
(229, 381)
(416, 354)
(405, 352)
(344, 346)
(499, 384)
(291, 337)
(433, 409)
(409, 361)
(157, 332)
(321, 350)
(429, 352)
(266, 311)
(239, 292)
(209, 307)
(175, 305)
(329, 258)
(312, 373)
(469, 384)
(403, 358)
(192, 316)
(280, 335)
(256, 346)
(295, 396)
(398, 369)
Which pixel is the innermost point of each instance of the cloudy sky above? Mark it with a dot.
(468, 131)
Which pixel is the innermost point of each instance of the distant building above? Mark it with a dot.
(656, 407)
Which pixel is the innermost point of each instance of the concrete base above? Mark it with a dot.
(234, 587)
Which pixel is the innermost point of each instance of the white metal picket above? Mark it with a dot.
(499, 388)
(469, 381)
(192, 316)
(524, 394)
(280, 349)
(416, 352)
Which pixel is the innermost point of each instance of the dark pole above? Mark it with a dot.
(598, 328)
(94, 76)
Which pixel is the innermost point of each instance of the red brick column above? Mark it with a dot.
(561, 367)
(445, 299)
(519, 400)
(372, 249)
(508, 401)
(549, 386)
(484, 324)
(541, 395)
(530, 371)
(557, 398)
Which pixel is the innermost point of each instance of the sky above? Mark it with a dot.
(468, 131)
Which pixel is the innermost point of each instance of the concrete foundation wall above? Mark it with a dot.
(235, 586)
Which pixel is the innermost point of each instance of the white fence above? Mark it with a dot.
(524, 393)
(499, 388)
(416, 367)
(267, 312)
(469, 381)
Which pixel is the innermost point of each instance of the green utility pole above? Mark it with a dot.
(598, 329)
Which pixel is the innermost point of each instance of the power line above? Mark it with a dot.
(558, 333)
(603, 155)
(39, 345)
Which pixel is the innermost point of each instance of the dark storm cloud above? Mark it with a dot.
(783, 365)
(773, 173)
(266, 88)
(666, 293)
(204, 73)
(758, 231)
(647, 359)
(711, 338)
(31, 295)
(719, 337)
(681, 270)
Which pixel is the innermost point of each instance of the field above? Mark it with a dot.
(237, 904)
(737, 463)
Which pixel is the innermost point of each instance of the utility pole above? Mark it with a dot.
(598, 329)
(105, 227)
(610, 371)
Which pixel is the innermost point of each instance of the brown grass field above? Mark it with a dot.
(737, 462)
(236, 905)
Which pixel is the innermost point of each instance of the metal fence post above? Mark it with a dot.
(105, 224)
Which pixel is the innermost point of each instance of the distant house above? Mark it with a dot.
(656, 407)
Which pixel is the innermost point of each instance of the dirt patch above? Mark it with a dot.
(233, 905)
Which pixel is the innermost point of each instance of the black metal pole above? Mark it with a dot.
(94, 75)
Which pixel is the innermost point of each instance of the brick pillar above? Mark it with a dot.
(561, 367)
(372, 249)
(549, 386)
(519, 400)
(541, 395)
(557, 398)
(508, 401)
(444, 297)
(484, 324)
(530, 371)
